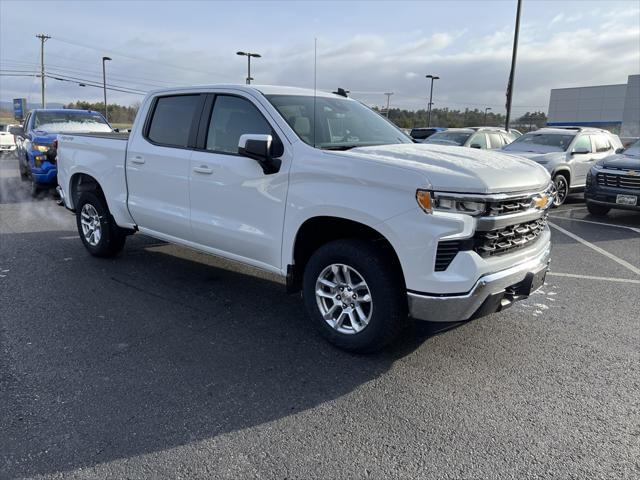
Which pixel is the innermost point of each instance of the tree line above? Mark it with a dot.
(117, 113)
(445, 117)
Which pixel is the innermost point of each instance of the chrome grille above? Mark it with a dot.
(618, 180)
(505, 239)
(505, 207)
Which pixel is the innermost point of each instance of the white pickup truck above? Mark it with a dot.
(371, 227)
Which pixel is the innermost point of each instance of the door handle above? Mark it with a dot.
(137, 159)
(203, 169)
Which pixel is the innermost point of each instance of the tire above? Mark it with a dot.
(96, 227)
(24, 174)
(598, 210)
(35, 189)
(562, 189)
(379, 320)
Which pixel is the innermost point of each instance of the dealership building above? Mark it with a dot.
(614, 107)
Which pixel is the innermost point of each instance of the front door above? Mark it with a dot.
(581, 162)
(236, 209)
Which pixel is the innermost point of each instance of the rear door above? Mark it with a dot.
(236, 209)
(158, 165)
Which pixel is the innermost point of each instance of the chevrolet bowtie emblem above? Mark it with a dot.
(633, 173)
(540, 202)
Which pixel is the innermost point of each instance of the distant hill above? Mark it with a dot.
(8, 105)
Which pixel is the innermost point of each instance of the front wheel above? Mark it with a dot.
(598, 210)
(562, 189)
(354, 295)
(98, 232)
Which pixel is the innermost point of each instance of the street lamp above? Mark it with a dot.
(104, 86)
(485, 115)
(432, 77)
(249, 55)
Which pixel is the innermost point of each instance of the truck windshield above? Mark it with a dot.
(340, 123)
(540, 143)
(56, 121)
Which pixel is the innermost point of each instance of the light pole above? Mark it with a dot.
(512, 74)
(249, 55)
(432, 77)
(485, 115)
(388, 94)
(104, 87)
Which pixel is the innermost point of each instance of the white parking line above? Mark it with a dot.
(589, 277)
(637, 230)
(611, 256)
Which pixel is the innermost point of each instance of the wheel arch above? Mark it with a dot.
(320, 230)
(83, 182)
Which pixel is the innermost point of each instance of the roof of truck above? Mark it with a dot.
(264, 89)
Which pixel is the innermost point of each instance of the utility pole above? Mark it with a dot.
(43, 38)
(104, 86)
(388, 94)
(513, 66)
(432, 77)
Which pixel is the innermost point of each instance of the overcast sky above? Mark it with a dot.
(367, 47)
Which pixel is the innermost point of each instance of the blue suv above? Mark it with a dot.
(36, 141)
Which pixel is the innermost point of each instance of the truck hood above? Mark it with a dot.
(43, 138)
(463, 170)
(625, 162)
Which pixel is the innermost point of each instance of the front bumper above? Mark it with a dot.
(606, 196)
(491, 293)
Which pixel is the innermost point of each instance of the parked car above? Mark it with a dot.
(36, 157)
(7, 140)
(483, 138)
(421, 133)
(614, 182)
(568, 153)
(368, 225)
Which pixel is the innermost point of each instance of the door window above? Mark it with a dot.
(601, 143)
(495, 139)
(478, 139)
(172, 118)
(582, 142)
(231, 118)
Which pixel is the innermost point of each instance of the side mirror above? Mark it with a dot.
(580, 151)
(259, 148)
(620, 150)
(476, 145)
(17, 131)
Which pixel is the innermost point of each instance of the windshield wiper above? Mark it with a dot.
(339, 147)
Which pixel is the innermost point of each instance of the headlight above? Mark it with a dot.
(39, 147)
(442, 202)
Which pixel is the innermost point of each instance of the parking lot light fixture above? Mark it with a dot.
(249, 55)
(485, 115)
(104, 86)
(432, 77)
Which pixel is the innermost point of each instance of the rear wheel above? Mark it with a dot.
(98, 232)
(354, 295)
(598, 210)
(562, 189)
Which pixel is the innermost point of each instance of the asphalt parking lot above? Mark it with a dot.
(168, 363)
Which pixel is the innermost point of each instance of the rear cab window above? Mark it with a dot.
(172, 118)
